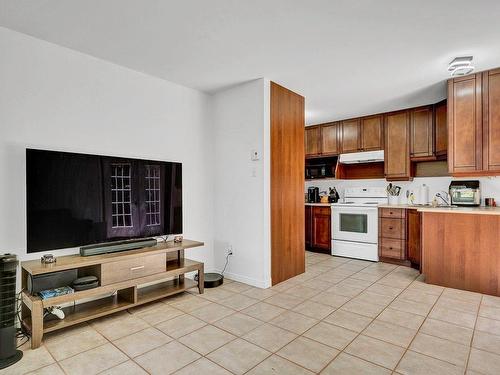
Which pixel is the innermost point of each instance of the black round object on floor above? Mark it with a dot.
(213, 280)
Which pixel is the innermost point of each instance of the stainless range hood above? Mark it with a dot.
(362, 157)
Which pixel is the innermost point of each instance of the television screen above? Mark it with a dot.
(78, 199)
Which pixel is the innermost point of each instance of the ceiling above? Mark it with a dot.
(347, 57)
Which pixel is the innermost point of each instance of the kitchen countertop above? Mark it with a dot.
(318, 204)
(445, 209)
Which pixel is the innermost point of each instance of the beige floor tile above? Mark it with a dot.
(401, 318)
(375, 298)
(484, 362)
(487, 342)
(181, 325)
(238, 324)
(281, 287)
(190, 304)
(206, 339)
(414, 363)
(238, 302)
(448, 331)
(314, 309)
(390, 333)
(396, 282)
(343, 290)
(93, 361)
(384, 290)
(463, 295)
(294, 322)
(411, 306)
(201, 367)
(238, 356)
(349, 320)
(317, 284)
(270, 337)
(426, 288)
(355, 283)
(441, 349)
(216, 294)
(369, 310)
(490, 312)
(418, 296)
(278, 366)
(330, 299)
(52, 369)
(114, 327)
(212, 313)
(237, 287)
(488, 325)
(459, 305)
(160, 314)
(302, 291)
(263, 311)
(32, 360)
(376, 351)
(259, 293)
(366, 276)
(491, 301)
(167, 358)
(328, 334)
(347, 364)
(308, 353)
(126, 368)
(65, 345)
(141, 342)
(285, 301)
(453, 316)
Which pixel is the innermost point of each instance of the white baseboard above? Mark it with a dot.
(263, 284)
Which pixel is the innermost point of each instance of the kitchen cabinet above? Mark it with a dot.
(441, 130)
(350, 136)
(491, 121)
(413, 244)
(312, 137)
(372, 133)
(422, 133)
(329, 139)
(318, 228)
(397, 146)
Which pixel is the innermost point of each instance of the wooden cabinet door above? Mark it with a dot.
(321, 227)
(329, 139)
(372, 133)
(491, 121)
(308, 226)
(350, 138)
(422, 133)
(440, 129)
(397, 146)
(312, 139)
(465, 124)
(413, 236)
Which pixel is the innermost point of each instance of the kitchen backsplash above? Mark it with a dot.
(490, 186)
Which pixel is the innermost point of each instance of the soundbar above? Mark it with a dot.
(113, 247)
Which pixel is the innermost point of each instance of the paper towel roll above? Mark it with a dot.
(423, 195)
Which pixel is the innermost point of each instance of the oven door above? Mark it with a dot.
(357, 224)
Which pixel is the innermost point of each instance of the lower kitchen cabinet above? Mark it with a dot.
(318, 228)
(399, 236)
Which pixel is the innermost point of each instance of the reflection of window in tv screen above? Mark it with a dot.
(78, 199)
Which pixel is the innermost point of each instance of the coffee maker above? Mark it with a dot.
(313, 194)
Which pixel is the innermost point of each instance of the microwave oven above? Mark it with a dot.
(323, 170)
(465, 193)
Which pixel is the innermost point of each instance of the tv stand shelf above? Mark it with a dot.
(112, 297)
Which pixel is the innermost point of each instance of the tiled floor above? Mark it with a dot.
(341, 317)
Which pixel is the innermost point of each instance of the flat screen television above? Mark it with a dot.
(78, 199)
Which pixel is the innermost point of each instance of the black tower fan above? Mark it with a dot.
(8, 343)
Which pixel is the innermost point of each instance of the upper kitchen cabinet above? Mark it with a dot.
(422, 134)
(329, 139)
(350, 136)
(474, 124)
(312, 138)
(397, 146)
(372, 133)
(441, 129)
(491, 121)
(465, 124)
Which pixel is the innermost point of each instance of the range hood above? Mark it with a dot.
(362, 157)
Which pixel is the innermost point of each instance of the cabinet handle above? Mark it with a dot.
(136, 268)
(390, 228)
(390, 248)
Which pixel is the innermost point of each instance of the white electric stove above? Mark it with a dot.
(355, 223)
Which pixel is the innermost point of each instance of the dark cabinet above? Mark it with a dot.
(318, 228)
(372, 133)
(312, 138)
(397, 146)
(329, 139)
(350, 138)
(413, 221)
(422, 133)
(441, 129)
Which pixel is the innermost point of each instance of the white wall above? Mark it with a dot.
(241, 123)
(55, 98)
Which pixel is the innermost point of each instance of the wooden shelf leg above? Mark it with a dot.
(201, 279)
(36, 324)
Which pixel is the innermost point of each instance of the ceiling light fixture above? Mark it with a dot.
(461, 66)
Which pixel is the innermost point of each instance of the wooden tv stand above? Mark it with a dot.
(121, 284)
